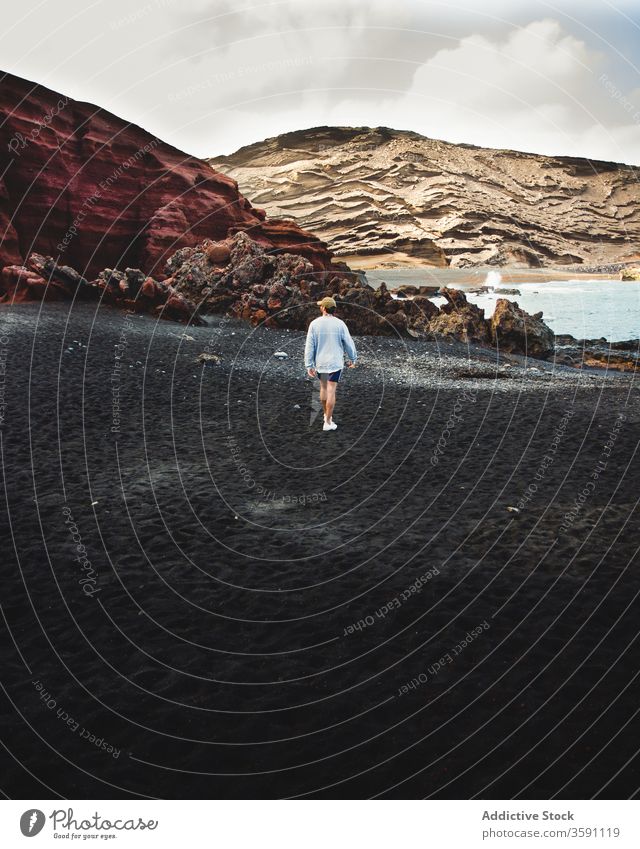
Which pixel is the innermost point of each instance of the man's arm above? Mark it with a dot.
(348, 344)
(310, 351)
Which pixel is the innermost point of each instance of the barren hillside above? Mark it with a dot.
(390, 197)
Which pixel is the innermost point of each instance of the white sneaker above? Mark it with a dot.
(329, 426)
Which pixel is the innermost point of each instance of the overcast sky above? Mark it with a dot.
(212, 75)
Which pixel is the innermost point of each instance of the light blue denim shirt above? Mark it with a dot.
(328, 340)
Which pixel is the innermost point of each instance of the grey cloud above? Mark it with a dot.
(210, 76)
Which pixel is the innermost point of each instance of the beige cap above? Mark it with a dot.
(327, 303)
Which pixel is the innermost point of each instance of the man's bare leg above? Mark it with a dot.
(323, 396)
(331, 401)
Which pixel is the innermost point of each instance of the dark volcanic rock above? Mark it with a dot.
(460, 319)
(597, 353)
(425, 305)
(515, 331)
(20, 284)
(131, 289)
(255, 285)
(277, 290)
(282, 290)
(405, 290)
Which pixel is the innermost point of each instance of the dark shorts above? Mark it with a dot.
(333, 376)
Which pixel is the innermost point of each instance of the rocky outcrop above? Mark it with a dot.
(238, 277)
(514, 330)
(382, 197)
(44, 280)
(460, 319)
(597, 353)
(630, 273)
(92, 190)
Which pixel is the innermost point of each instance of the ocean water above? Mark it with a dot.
(586, 308)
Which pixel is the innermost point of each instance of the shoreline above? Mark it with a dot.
(472, 276)
(592, 308)
(457, 360)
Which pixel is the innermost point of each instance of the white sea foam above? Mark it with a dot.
(493, 278)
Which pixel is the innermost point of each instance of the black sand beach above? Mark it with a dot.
(205, 596)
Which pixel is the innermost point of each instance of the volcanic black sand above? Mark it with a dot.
(204, 595)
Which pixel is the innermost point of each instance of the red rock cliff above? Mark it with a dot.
(82, 185)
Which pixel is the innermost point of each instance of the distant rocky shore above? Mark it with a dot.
(615, 269)
(239, 278)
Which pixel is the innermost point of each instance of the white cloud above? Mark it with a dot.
(537, 69)
(212, 75)
(535, 88)
(538, 90)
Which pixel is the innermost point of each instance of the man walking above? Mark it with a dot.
(328, 340)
